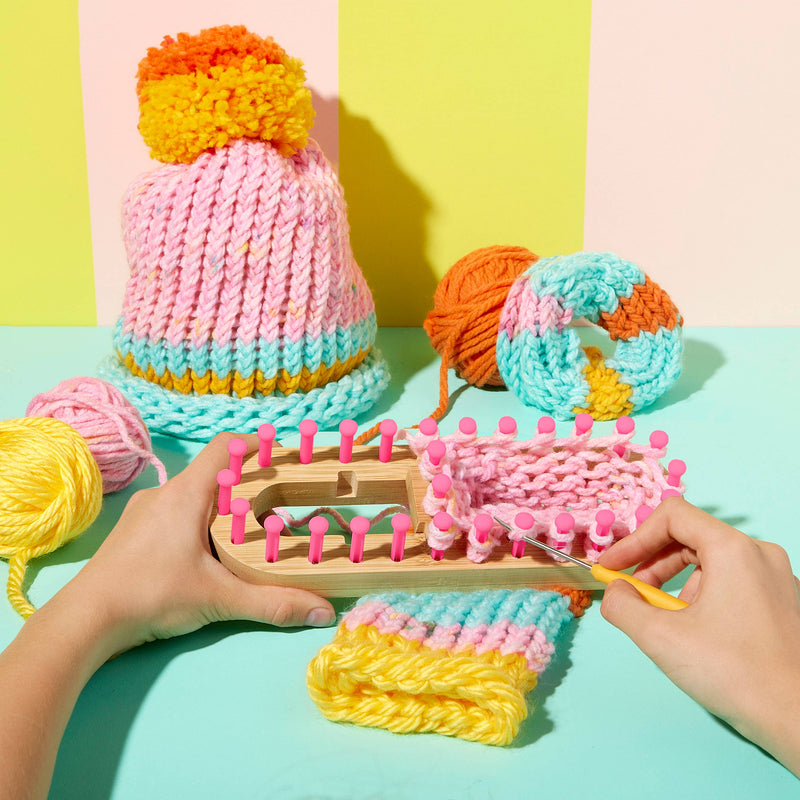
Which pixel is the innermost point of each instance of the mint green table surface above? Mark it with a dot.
(224, 712)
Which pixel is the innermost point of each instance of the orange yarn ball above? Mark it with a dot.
(468, 302)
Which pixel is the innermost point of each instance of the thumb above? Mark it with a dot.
(283, 606)
(627, 610)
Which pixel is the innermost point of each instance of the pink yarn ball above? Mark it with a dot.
(111, 426)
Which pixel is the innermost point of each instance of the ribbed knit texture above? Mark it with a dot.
(243, 284)
(539, 354)
(453, 663)
(544, 476)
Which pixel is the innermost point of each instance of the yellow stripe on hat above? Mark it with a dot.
(245, 386)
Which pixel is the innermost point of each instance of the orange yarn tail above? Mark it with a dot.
(465, 318)
(463, 323)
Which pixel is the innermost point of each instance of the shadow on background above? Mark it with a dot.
(538, 723)
(700, 361)
(388, 215)
(91, 750)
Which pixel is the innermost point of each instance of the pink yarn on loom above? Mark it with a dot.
(111, 426)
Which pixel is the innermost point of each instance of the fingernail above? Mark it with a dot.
(320, 617)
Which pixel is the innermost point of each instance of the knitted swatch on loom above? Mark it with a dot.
(544, 476)
(244, 303)
(458, 664)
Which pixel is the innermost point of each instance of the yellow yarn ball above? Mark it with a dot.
(50, 492)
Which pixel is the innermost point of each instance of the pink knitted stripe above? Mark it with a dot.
(179, 204)
(231, 166)
(298, 316)
(234, 318)
(541, 314)
(505, 637)
(206, 183)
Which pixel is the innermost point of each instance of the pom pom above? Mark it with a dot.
(198, 92)
(112, 428)
(50, 492)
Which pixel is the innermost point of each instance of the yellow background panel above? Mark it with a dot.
(462, 124)
(46, 275)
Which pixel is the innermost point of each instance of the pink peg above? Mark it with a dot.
(564, 524)
(583, 424)
(239, 509)
(347, 430)
(308, 429)
(675, 470)
(442, 521)
(266, 436)
(483, 524)
(507, 426)
(624, 426)
(236, 450)
(669, 493)
(318, 527)
(226, 479)
(401, 524)
(642, 513)
(604, 519)
(441, 486)
(436, 450)
(658, 440)
(523, 521)
(388, 429)
(468, 426)
(428, 427)
(359, 526)
(545, 425)
(273, 525)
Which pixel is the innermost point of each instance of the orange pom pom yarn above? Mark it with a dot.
(197, 93)
(463, 323)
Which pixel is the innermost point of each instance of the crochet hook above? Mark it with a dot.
(654, 596)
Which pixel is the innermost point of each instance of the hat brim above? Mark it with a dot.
(201, 417)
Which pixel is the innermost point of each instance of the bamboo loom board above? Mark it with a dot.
(365, 481)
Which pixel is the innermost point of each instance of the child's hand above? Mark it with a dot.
(154, 576)
(736, 648)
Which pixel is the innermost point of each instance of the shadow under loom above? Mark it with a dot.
(538, 723)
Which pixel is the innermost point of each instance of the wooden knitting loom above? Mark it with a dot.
(365, 480)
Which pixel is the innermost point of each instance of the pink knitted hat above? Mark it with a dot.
(244, 303)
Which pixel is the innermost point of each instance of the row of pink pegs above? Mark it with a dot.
(524, 522)
(318, 527)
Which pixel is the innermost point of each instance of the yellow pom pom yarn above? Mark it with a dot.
(50, 492)
(197, 93)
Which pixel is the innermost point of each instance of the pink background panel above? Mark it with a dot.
(115, 37)
(693, 165)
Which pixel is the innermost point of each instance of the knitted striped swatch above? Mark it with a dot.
(458, 664)
(244, 303)
(540, 357)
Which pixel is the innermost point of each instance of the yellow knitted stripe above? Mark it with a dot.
(608, 396)
(387, 681)
(244, 386)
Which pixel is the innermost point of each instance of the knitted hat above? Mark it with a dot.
(244, 303)
(453, 663)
